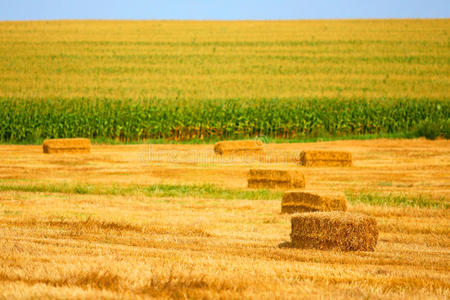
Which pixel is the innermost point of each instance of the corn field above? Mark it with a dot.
(187, 79)
(129, 120)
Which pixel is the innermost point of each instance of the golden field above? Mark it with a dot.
(91, 225)
(177, 221)
(387, 59)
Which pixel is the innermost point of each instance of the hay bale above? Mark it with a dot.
(326, 159)
(265, 178)
(334, 230)
(236, 147)
(76, 145)
(307, 201)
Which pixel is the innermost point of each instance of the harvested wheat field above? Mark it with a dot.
(307, 201)
(176, 221)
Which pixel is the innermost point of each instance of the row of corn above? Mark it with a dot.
(129, 120)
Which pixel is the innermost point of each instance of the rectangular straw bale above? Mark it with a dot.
(75, 145)
(235, 147)
(334, 230)
(326, 159)
(306, 201)
(267, 178)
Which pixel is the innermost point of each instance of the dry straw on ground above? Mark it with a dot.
(75, 145)
(307, 201)
(239, 147)
(334, 230)
(265, 178)
(325, 158)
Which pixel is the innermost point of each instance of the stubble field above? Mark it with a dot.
(167, 221)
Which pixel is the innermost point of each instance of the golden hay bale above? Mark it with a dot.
(233, 147)
(326, 159)
(334, 230)
(306, 201)
(265, 178)
(76, 145)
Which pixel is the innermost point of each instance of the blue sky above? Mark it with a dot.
(222, 9)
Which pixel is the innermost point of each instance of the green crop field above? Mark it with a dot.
(204, 80)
